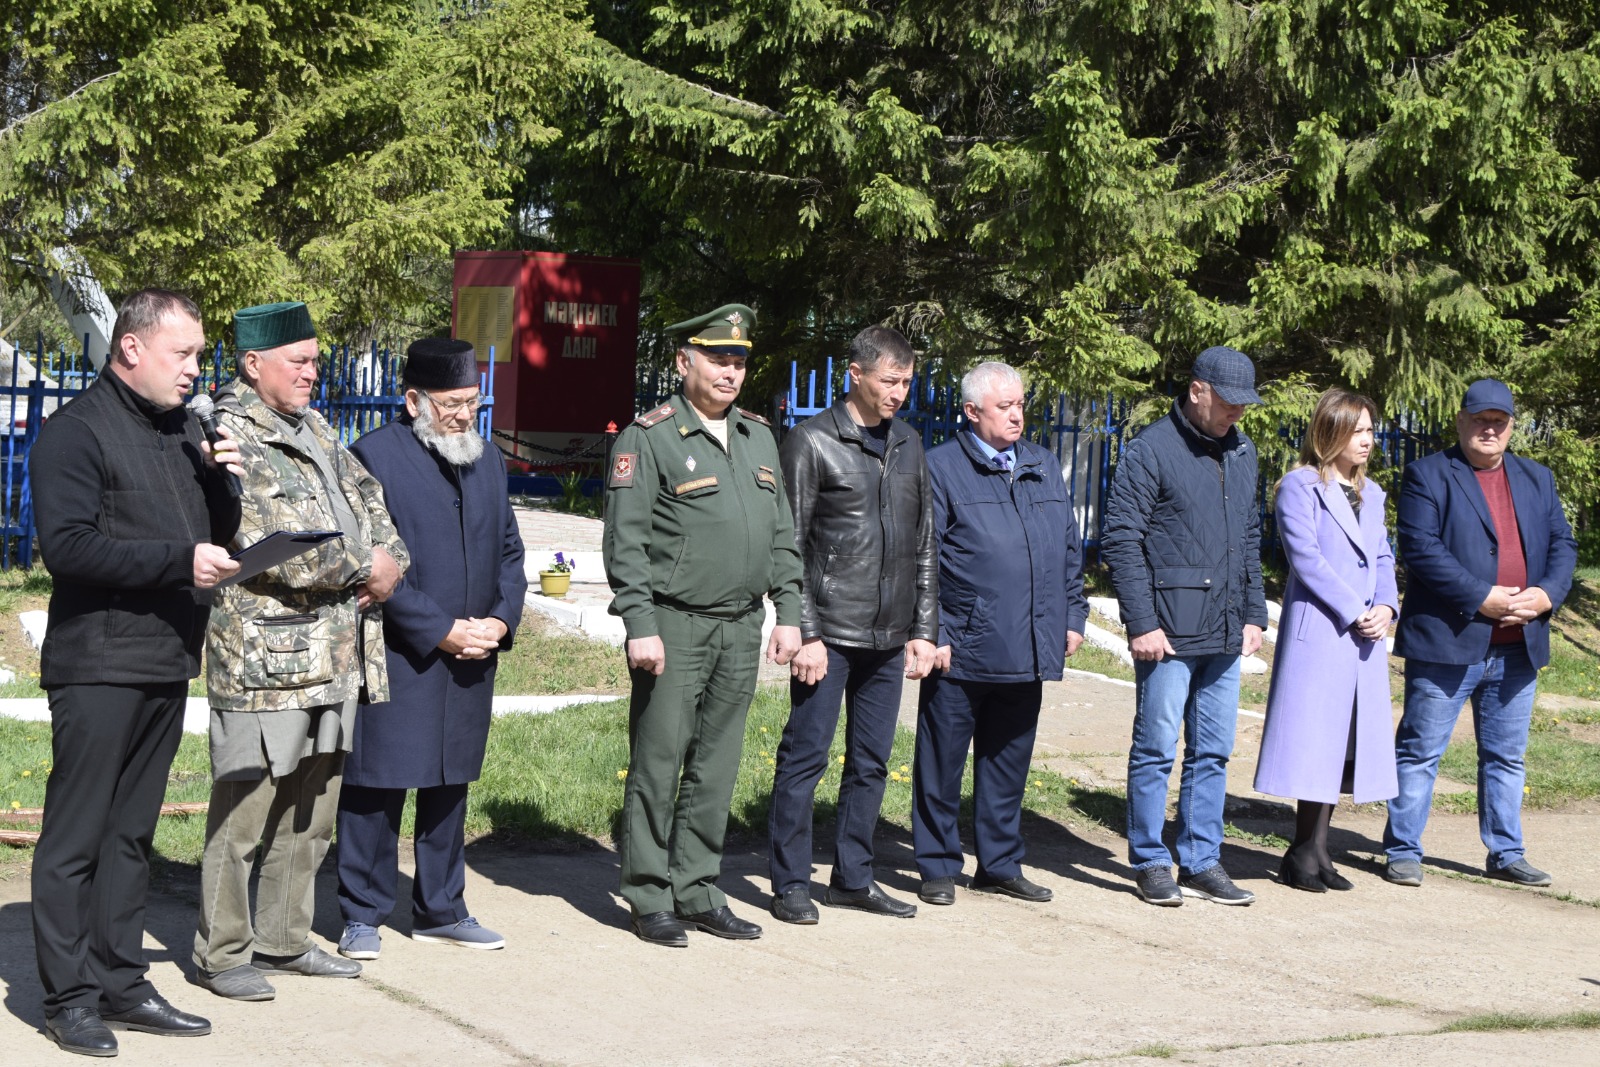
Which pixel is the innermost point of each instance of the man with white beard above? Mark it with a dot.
(457, 607)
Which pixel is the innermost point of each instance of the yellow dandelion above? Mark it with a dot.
(894, 776)
(763, 729)
(1526, 789)
(841, 759)
(772, 763)
(1038, 783)
(1072, 781)
(622, 774)
(15, 804)
(904, 769)
(764, 753)
(27, 774)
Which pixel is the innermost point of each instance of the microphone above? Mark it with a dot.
(205, 412)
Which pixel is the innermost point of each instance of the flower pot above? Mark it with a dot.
(554, 583)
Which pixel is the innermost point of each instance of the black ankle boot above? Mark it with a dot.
(1299, 870)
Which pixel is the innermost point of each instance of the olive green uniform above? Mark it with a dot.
(694, 537)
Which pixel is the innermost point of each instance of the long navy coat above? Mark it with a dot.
(466, 562)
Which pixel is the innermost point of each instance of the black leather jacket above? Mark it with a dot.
(865, 533)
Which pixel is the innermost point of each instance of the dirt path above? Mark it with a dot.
(990, 981)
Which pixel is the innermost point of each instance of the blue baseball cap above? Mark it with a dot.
(1229, 372)
(1486, 394)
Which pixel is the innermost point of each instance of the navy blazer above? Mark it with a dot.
(1449, 551)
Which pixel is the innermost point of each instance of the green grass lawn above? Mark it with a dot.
(1561, 768)
(558, 778)
(561, 776)
(25, 764)
(1574, 668)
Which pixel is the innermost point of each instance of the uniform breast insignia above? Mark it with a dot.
(765, 476)
(753, 417)
(660, 414)
(622, 468)
(698, 483)
(691, 464)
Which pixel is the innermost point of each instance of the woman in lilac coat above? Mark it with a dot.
(1330, 727)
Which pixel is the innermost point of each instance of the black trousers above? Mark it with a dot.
(112, 747)
(999, 721)
(869, 681)
(369, 859)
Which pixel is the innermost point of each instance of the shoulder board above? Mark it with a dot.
(660, 414)
(753, 417)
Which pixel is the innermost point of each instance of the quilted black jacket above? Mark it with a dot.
(1182, 535)
(123, 494)
(865, 533)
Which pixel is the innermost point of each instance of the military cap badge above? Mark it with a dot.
(725, 331)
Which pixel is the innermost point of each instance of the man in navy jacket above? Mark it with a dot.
(1488, 557)
(1011, 609)
(1182, 536)
(455, 611)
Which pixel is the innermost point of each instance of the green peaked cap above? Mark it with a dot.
(256, 329)
(726, 330)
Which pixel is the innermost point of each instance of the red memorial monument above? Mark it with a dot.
(564, 334)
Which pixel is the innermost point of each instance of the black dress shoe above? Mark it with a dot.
(794, 906)
(938, 891)
(1018, 887)
(80, 1030)
(871, 899)
(660, 928)
(156, 1016)
(724, 923)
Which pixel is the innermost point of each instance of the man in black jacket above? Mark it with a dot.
(858, 485)
(131, 513)
(1182, 537)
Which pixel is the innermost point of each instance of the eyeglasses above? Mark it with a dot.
(455, 407)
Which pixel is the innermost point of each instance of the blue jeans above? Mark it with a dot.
(1201, 694)
(869, 680)
(1501, 689)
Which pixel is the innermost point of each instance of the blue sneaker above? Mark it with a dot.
(359, 942)
(466, 933)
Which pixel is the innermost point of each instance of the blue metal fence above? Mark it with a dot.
(1084, 434)
(1086, 437)
(356, 392)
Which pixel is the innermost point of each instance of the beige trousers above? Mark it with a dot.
(292, 818)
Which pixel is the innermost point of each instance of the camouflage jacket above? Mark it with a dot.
(291, 637)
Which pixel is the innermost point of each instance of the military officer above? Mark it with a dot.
(698, 528)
